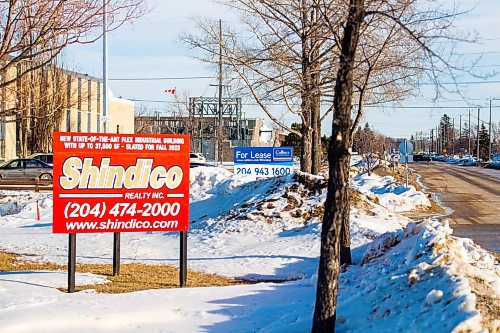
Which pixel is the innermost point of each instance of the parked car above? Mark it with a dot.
(421, 157)
(197, 158)
(44, 157)
(25, 168)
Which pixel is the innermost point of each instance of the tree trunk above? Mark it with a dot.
(337, 200)
(317, 150)
(345, 237)
(306, 153)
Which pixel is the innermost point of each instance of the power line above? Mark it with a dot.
(211, 77)
(461, 82)
(160, 78)
(477, 53)
(367, 106)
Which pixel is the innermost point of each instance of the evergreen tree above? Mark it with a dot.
(293, 140)
(484, 143)
(445, 133)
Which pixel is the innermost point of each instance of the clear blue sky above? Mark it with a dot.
(150, 48)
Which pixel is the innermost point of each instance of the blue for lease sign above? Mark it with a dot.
(263, 161)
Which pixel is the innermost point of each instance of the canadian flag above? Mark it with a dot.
(170, 91)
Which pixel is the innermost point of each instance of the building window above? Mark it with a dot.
(68, 120)
(117, 129)
(79, 122)
(88, 123)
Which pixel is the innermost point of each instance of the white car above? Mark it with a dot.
(197, 158)
(44, 157)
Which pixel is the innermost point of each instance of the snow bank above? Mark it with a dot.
(409, 283)
(208, 181)
(386, 192)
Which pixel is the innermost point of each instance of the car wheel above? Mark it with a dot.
(45, 176)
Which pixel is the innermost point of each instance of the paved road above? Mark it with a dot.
(473, 195)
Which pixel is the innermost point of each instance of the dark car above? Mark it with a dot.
(421, 157)
(25, 168)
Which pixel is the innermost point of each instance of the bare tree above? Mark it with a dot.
(370, 145)
(337, 199)
(179, 110)
(36, 31)
(285, 53)
(40, 109)
(145, 120)
(282, 55)
(422, 25)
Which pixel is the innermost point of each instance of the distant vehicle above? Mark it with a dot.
(494, 165)
(467, 161)
(197, 158)
(25, 168)
(44, 157)
(421, 157)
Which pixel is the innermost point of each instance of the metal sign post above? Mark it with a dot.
(183, 259)
(406, 148)
(71, 262)
(116, 253)
(406, 163)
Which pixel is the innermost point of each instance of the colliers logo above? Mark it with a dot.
(282, 154)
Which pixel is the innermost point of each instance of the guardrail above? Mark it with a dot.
(26, 185)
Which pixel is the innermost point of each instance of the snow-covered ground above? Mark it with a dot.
(412, 278)
(392, 196)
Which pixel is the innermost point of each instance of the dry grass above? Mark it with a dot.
(398, 172)
(133, 277)
(357, 200)
(11, 262)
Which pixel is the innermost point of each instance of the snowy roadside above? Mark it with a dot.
(412, 278)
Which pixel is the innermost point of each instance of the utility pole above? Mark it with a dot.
(468, 134)
(453, 136)
(218, 149)
(438, 141)
(422, 143)
(490, 157)
(460, 136)
(477, 135)
(431, 147)
(116, 235)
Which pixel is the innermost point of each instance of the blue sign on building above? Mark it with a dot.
(263, 161)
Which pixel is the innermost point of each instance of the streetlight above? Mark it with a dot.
(105, 66)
